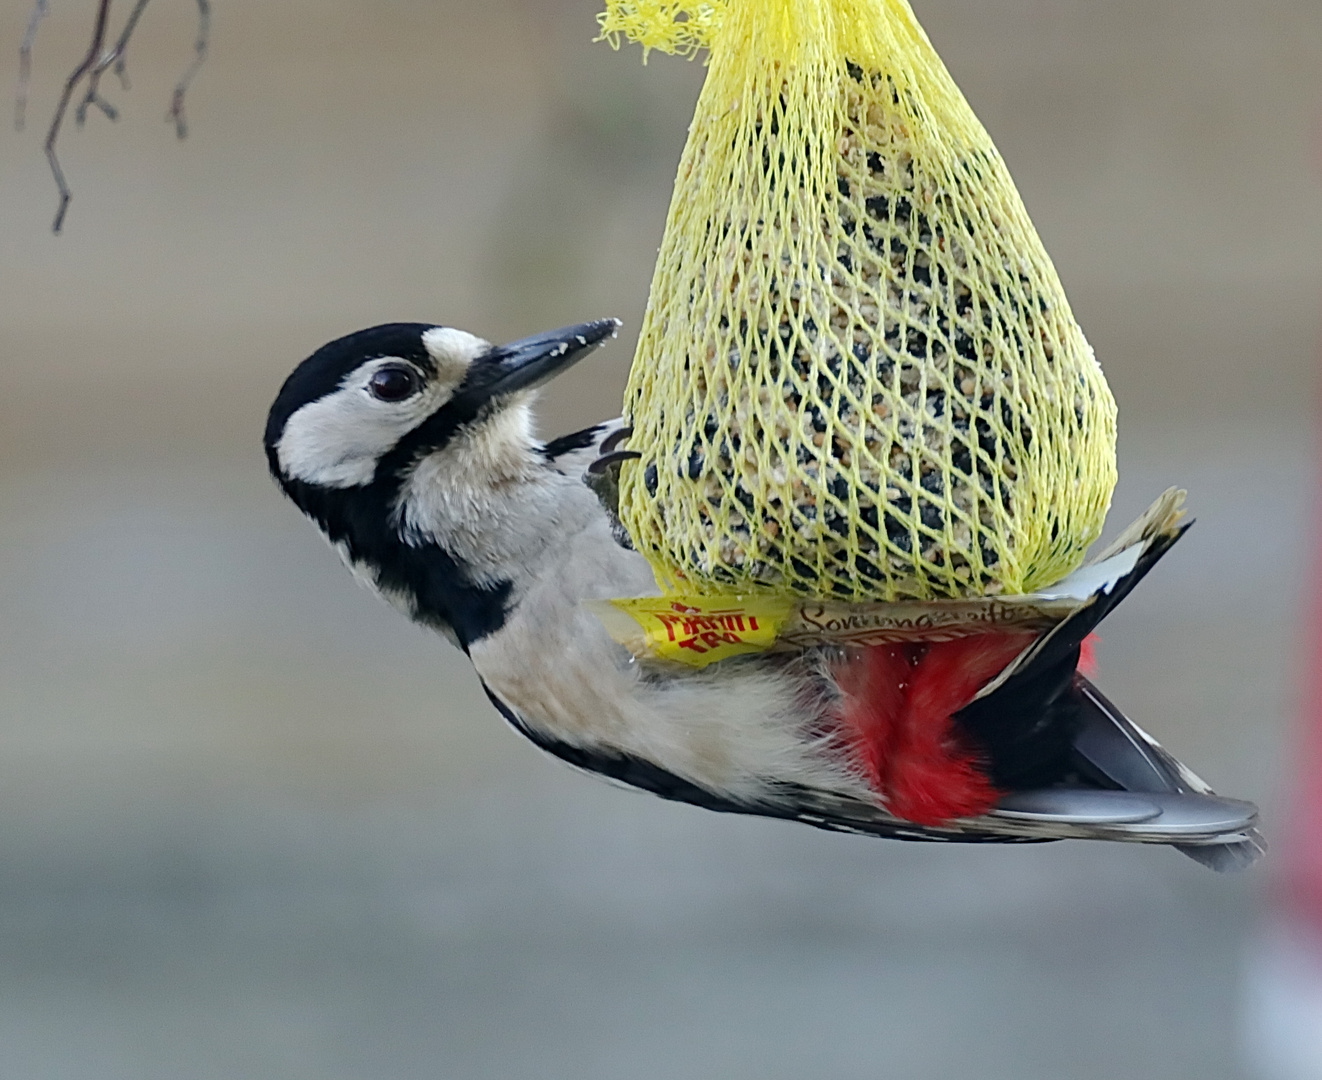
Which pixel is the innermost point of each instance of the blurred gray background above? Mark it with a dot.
(254, 825)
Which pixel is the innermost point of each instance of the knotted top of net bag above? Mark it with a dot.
(858, 375)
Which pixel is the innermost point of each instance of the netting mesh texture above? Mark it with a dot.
(858, 375)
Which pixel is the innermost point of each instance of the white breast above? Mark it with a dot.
(739, 729)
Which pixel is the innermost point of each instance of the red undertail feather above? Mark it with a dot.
(899, 705)
(1088, 656)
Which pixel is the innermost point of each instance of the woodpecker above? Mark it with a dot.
(411, 447)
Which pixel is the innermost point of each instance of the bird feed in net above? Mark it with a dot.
(858, 375)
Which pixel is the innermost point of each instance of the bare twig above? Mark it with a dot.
(89, 61)
(98, 60)
(199, 55)
(121, 58)
(93, 98)
(40, 9)
(113, 56)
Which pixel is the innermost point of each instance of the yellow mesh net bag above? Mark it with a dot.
(858, 375)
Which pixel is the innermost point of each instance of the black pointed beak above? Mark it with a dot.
(526, 364)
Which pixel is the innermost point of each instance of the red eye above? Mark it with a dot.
(394, 382)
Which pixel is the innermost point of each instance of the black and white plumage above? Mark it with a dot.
(411, 447)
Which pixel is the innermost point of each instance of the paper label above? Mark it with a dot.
(698, 631)
(815, 622)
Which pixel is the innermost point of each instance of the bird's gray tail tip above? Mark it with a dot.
(1228, 857)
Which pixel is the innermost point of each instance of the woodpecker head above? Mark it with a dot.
(400, 441)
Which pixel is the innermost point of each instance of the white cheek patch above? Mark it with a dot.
(336, 441)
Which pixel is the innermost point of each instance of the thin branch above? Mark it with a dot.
(93, 97)
(111, 56)
(199, 55)
(89, 61)
(121, 58)
(40, 9)
(92, 68)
